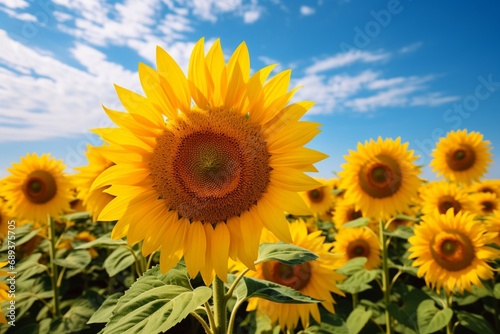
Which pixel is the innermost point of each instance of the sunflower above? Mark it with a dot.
(345, 211)
(202, 179)
(486, 186)
(493, 224)
(320, 199)
(485, 203)
(37, 187)
(440, 196)
(94, 201)
(358, 242)
(316, 279)
(380, 177)
(462, 157)
(450, 251)
(5, 217)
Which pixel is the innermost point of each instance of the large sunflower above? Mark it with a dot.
(358, 242)
(380, 177)
(94, 201)
(450, 251)
(462, 157)
(440, 196)
(203, 163)
(37, 187)
(316, 279)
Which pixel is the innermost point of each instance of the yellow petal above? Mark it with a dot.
(195, 248)
(220, 250)
(173, 243)
(289, 201)
(274, 220)
(199, 79)
(150, 82)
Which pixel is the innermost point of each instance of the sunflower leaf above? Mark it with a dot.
(361, 221)
(249, 287)
(120, 259)
(359, 281)
(474, 322)
(104, 241)
(156, 302)
(285, 253)
(105, 311)
(76, 259)
(431, 319)
(357, 319)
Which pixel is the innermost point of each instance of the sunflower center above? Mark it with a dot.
(358, 248)
(40, 187)
(210, 165)
(353, 214)
(381, 178)
(461, 158)
(295, 277)
(316, 195)
(488, 206)
(453, 251)
(448, 202)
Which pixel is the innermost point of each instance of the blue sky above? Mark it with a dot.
(405, 68)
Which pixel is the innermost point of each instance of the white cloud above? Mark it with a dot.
(14, 3)
(344, 59)
(432, 99)
(20, 16)
(251, 16)
(306, 10)
(46, 98)
(411, 47)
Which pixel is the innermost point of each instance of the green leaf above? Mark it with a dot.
(23, 233)
(249, 287)
(76, 259)
(358, 319)
(330, 323)
(75, 319)
(405, 217)
(106, 310)
(361, 221)
(76, 216)
(104, 241)
(120, 259)
(285, 253)
(359, 281)
(155, 309)
(496, 291)
(474, 322)
(402, 232)
(406, 314)
(353, 266)
(431, 319)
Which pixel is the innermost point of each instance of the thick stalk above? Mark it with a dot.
(219, 306)
(53, 274)
(448, 301)
(386, 280)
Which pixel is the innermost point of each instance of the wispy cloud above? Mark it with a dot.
(411, 47)
(344, 59)
(14, 3)
(306, 10)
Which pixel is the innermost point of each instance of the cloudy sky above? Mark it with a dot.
(412, 69)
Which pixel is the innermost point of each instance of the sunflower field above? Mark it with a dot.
(199, 214)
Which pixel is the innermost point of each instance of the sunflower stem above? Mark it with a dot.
(202, 322)
(219, 306)
(354, 300)
(386, 279)
(448, 301)
(53, 275)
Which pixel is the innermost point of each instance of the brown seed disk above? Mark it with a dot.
(295, 277)
(316, 195)
(40, 187)
(381, 177)
(210, 166)
(358, 248)
(461, 158)
(448, 202)
(452, 250)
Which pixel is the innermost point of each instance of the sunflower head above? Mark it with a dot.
(380, 177)
(450, 251)
(37, 187)
(210, 158)
(320, 199)
(462, 157)
(441, 196)
(358, 242)
(313, 278)
(485, 203)
(96, 199)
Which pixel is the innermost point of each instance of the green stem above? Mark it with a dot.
(497, 311)
(229, 293)
(210, 315)
(137, 261)
(354, 300)
(53, 275)
(202, 322)
(386, 280)
(448, 301)
(232, 318)
(219, 306)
